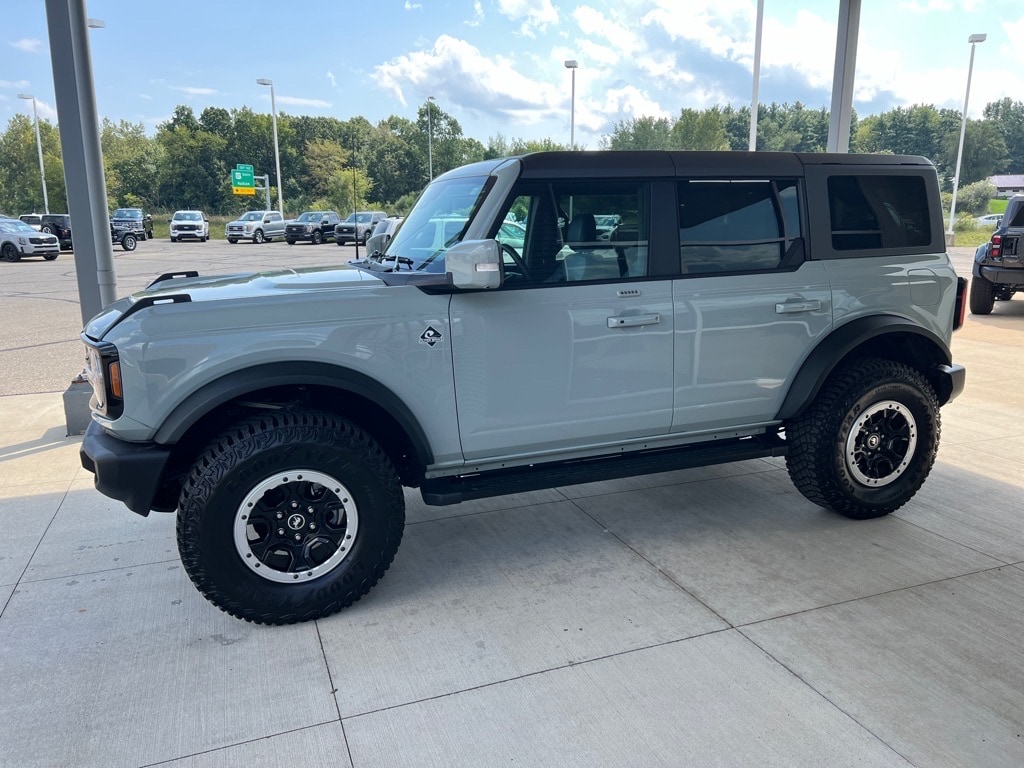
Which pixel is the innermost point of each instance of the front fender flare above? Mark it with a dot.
(299, 373)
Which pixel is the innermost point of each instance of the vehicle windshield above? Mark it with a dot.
(252, 216)
(436, 223)
(310, 216)
(10, 226)
(187, 216)
(127, 213)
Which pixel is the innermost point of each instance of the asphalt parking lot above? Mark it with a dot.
(706, 617)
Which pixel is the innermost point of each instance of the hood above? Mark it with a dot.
(243, 286)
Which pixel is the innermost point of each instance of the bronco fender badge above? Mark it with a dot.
(431, 336)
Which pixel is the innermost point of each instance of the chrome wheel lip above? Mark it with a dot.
(240, 529)
(861, 438)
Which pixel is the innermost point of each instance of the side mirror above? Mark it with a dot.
(475, 264)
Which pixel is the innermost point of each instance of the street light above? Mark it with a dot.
(973, 40)
(430, 138)
(39, 146)
(572, 64)
(277, 151)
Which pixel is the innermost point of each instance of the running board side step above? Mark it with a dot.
(442, 491)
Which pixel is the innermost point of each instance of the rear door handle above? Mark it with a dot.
(790, 307)
(632, 321)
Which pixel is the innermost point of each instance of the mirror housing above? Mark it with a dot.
(475, 264)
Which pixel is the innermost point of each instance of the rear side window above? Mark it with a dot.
(876, 211)
(736, 225)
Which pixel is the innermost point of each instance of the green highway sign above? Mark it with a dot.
(242, 180)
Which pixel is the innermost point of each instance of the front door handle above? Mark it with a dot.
(797, 306)
(632, 321)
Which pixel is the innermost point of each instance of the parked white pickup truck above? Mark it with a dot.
(258, 226)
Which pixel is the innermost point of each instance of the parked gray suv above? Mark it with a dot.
(733, 306)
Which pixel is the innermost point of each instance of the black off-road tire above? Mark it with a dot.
(867, 443)
(982, 297)
(338, 493)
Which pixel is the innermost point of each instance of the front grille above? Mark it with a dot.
(42, 241)
(186, 227)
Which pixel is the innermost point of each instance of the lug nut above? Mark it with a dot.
(280, 531)
(297, 537)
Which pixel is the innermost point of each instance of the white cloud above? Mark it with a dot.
(19, 84)
(296, 101)
(457, 72)
(330, 76)
(410, 6)
(478, 15)
(28, 45)
(193, 91)
(536, 15)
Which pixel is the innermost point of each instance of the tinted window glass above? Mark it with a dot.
(575, 231)
(870, 212)
(736, 225)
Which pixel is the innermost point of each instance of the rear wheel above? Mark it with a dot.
(983, 296)
(867, 443)
(289, 516)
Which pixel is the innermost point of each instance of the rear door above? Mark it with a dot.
(749, 305)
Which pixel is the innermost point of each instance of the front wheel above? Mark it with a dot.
(257, 236)
(982, 297)
(128, 242)
(233, 240)
(317, 238)
(867, 443)
(50, 256)
(289, 516)
(289, 241)
(9, 252)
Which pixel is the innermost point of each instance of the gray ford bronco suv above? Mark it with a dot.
(742, 305)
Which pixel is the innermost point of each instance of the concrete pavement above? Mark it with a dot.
(708, 617)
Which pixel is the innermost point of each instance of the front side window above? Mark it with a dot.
(875, 211)
(571, 231)
(736, 225)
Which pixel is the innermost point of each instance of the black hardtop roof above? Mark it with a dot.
(672, 163)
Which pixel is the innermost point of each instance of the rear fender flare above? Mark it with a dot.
(839, 344)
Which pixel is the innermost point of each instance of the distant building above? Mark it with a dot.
(1008, 185)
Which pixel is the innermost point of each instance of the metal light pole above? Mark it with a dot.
(277, 151)
(572, 64)
(39, 146)
(973, 40)
(430, 137)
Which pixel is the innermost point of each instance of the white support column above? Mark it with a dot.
(842, 79)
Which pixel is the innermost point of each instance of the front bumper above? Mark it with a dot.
(128, 472)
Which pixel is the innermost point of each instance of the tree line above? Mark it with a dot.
(342, 164)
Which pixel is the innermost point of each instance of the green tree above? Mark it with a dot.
(700, 130)
(130, 165)
(984, 152)
(640, 133)
(1008, 115)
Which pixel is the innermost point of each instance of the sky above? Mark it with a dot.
(497, 66)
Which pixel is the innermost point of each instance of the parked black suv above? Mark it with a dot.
(58, 225)
(315, 226)
(134, 220)
(999, 264)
